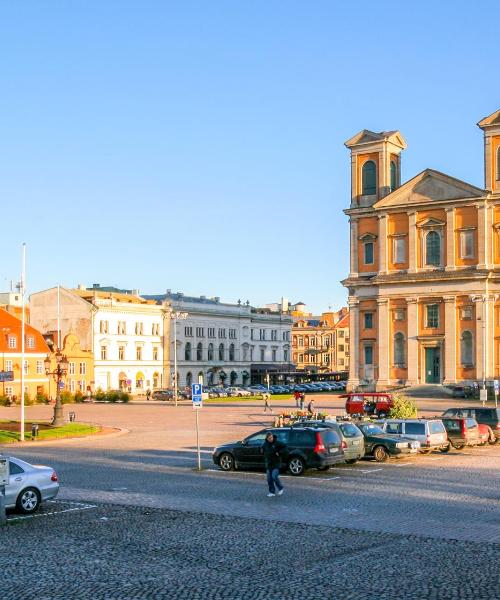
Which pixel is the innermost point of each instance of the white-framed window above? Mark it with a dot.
(155, 329)
(139, 328)
(121, 352)
(211, 332)
(262, 354)
(8, 365)
(71, 370)
(26, 367)
(103, 326)
(138, 353)
(466, 349)
(232, 334)
(467, 244)
(432, 316)
(399, 349)
(155, 353)
(274, 354)
(200, 332)
(121, 328)
(81, 385)
(433, 249)
(12, 341)
(72, 386)
(188, 331)
(286, 354)
(30, 341)
(9, 390)
(39, 367)
(274, 335)
(466, 313)
(222, 332)
(83, 368)
(399, 250)
(104, 352)
(262, 334)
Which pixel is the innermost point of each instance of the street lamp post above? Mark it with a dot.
(176, 316)
(58, 373)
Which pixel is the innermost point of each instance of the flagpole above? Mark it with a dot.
(23, 322)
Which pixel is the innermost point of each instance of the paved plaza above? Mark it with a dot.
(134, 519)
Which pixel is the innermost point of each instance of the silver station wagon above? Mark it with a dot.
(431, 433)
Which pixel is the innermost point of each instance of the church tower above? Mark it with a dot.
(375, 165)
(491, 127)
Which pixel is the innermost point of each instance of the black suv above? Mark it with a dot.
(307, 448)
(483, 415)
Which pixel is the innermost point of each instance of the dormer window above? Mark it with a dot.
(369, 178)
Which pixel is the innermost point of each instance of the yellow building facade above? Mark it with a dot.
(424, 281)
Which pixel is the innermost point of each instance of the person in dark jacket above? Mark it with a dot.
(271, 449)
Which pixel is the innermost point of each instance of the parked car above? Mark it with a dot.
(307, 448)
(458, 392)
(237, 391)
(29, 485)
(382, 445)
(162, 395)
(462, 431)
(257, 389)
(431, 433)
(371, 404)
(353, 441)
(482, 414)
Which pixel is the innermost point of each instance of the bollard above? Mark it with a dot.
(34, 430)
(72, 417)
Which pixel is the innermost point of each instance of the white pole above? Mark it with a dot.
(23, 321)
(174, 316)
(58, 317)
(198, 439)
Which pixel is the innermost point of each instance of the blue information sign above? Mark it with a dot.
(6, 375)
(197, 395)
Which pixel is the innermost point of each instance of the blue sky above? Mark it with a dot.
(198, 146)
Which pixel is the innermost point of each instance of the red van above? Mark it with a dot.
(370, 404)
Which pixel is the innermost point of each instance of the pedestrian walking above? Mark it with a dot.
(302, 400)
(266, 396)
(272, 450)
(148, 394)
(296, 395)
(310, 407)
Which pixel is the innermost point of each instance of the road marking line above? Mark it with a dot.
(79, 506)
(370, 470)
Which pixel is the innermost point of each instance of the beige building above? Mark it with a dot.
(320, 344)
(424, 281)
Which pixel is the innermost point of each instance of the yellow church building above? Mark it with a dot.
(424, 281)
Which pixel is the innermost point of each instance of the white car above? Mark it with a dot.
(29, 485)
(236, 391)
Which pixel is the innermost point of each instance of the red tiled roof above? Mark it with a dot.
(11, 326)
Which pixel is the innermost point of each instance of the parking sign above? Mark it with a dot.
(197, 395)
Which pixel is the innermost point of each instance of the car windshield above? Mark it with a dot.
(349, 430)
(371, 429)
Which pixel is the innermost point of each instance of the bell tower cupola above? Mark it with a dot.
(491, 127)
(375, 165)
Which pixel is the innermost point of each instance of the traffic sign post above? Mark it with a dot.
(4, 480)
(197, 399)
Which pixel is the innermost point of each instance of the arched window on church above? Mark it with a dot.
(394, 176)
(369, 178)
(466, 348)
(210, 355)
(399, 349)
(187, 351)
(433, 249)
(199, 351)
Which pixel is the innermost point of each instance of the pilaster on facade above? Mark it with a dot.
(450, 344)
(482, 236)
(480, 358)
(383, 343)
(354, 248)
(412, 337)
(450, 239)
(412, 242)
(353, 381)
(382, 244)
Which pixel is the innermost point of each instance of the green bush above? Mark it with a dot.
(113, 396)
(66, 397)
(79, 397)
(403, 408)
(100, 395)
(28, 400)
(42, 398)
(124, 397)
(5, 401)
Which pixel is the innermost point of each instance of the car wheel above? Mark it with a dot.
(445, 448)
(351, 461)
(226, 461)
(296, 466)
(28, 501)
(457, 445)
(380, 454)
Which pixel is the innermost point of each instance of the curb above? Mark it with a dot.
(119, 431)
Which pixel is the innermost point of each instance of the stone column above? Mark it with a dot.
(490, 336)
(412, 242)
(450, 340)
(489, 258)
(382, 244)
(354, 248)
(479, 302)
(412, 337)
(383, 342)
(450, 239)
(353, 381)
(481, 238)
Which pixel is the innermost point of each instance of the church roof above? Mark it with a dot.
(430, 186)
(493, 119)
(367, 137)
